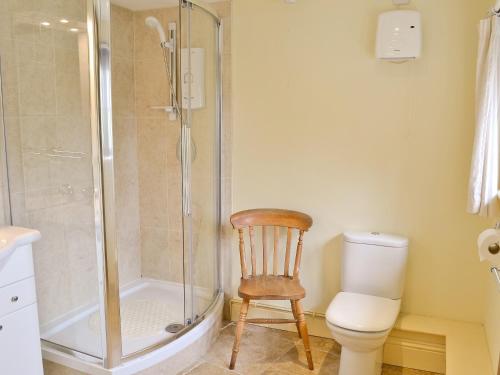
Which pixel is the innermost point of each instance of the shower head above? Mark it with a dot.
(153, 23)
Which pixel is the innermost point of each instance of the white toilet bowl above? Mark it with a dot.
(360, 324)
(362, 315)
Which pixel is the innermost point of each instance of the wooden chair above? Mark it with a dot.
(275, 286)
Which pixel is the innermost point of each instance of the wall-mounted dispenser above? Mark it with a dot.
(399, 35)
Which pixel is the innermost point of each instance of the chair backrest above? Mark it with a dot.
(275, 218)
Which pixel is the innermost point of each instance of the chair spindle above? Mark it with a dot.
(287, 254)
(243, 263)
(252, 250)
(276, 247)
(264, 250)
(298, 256)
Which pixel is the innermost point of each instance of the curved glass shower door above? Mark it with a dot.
(200, 78)
(166, 187)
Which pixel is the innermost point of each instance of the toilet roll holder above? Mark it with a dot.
(494, 249)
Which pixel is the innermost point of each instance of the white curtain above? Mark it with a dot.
(483, 183)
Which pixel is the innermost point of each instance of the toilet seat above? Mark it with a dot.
(362, 313)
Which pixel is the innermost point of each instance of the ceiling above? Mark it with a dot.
(150, 4)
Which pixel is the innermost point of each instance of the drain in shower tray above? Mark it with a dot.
(174, 327)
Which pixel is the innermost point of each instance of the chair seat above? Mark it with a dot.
(271, 288)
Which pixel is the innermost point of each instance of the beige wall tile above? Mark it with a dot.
(127, 199)
(45, 82)
(123, 90)
(151, 87)
(37, 89)
(153, 173)
(122, 33)
(14, 141)
(156, 260)
(70, 9)
(73, 134)
(126, 146)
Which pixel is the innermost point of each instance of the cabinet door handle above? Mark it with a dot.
(14, 299)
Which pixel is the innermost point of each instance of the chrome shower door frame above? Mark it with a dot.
(5, 196)
(99, 32)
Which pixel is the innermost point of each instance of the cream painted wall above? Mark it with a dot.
(322, 127)
(492, 324)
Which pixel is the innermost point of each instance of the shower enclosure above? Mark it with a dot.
(111, 149)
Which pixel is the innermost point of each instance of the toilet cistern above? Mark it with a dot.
(361, 316)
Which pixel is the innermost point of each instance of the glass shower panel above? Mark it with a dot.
(147, 178)
(44, 52)
(200, 102)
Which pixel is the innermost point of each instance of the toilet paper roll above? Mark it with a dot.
(488, 244)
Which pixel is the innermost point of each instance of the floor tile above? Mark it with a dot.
(267, 351)
(205, 368)
(258, 349)
(294, 362)
(323, 344)
(395, 370)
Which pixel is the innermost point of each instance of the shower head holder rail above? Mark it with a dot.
(165, 108)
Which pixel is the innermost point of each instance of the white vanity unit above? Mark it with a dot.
(20, 351)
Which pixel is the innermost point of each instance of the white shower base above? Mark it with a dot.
(147, 307)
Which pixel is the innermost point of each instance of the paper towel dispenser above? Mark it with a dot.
(399, 35)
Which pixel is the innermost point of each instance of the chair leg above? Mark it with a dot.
(239, 331)
(303, 332)
(294, 312)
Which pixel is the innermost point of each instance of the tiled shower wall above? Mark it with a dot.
(46, 113)
(147, 172)
(125, 145)
(147, 166)
(159, 169)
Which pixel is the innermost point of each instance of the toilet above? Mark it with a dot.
(361, 316)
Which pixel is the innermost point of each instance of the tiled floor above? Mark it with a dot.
(266, 351)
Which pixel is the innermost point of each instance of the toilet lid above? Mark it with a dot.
(362, 313)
